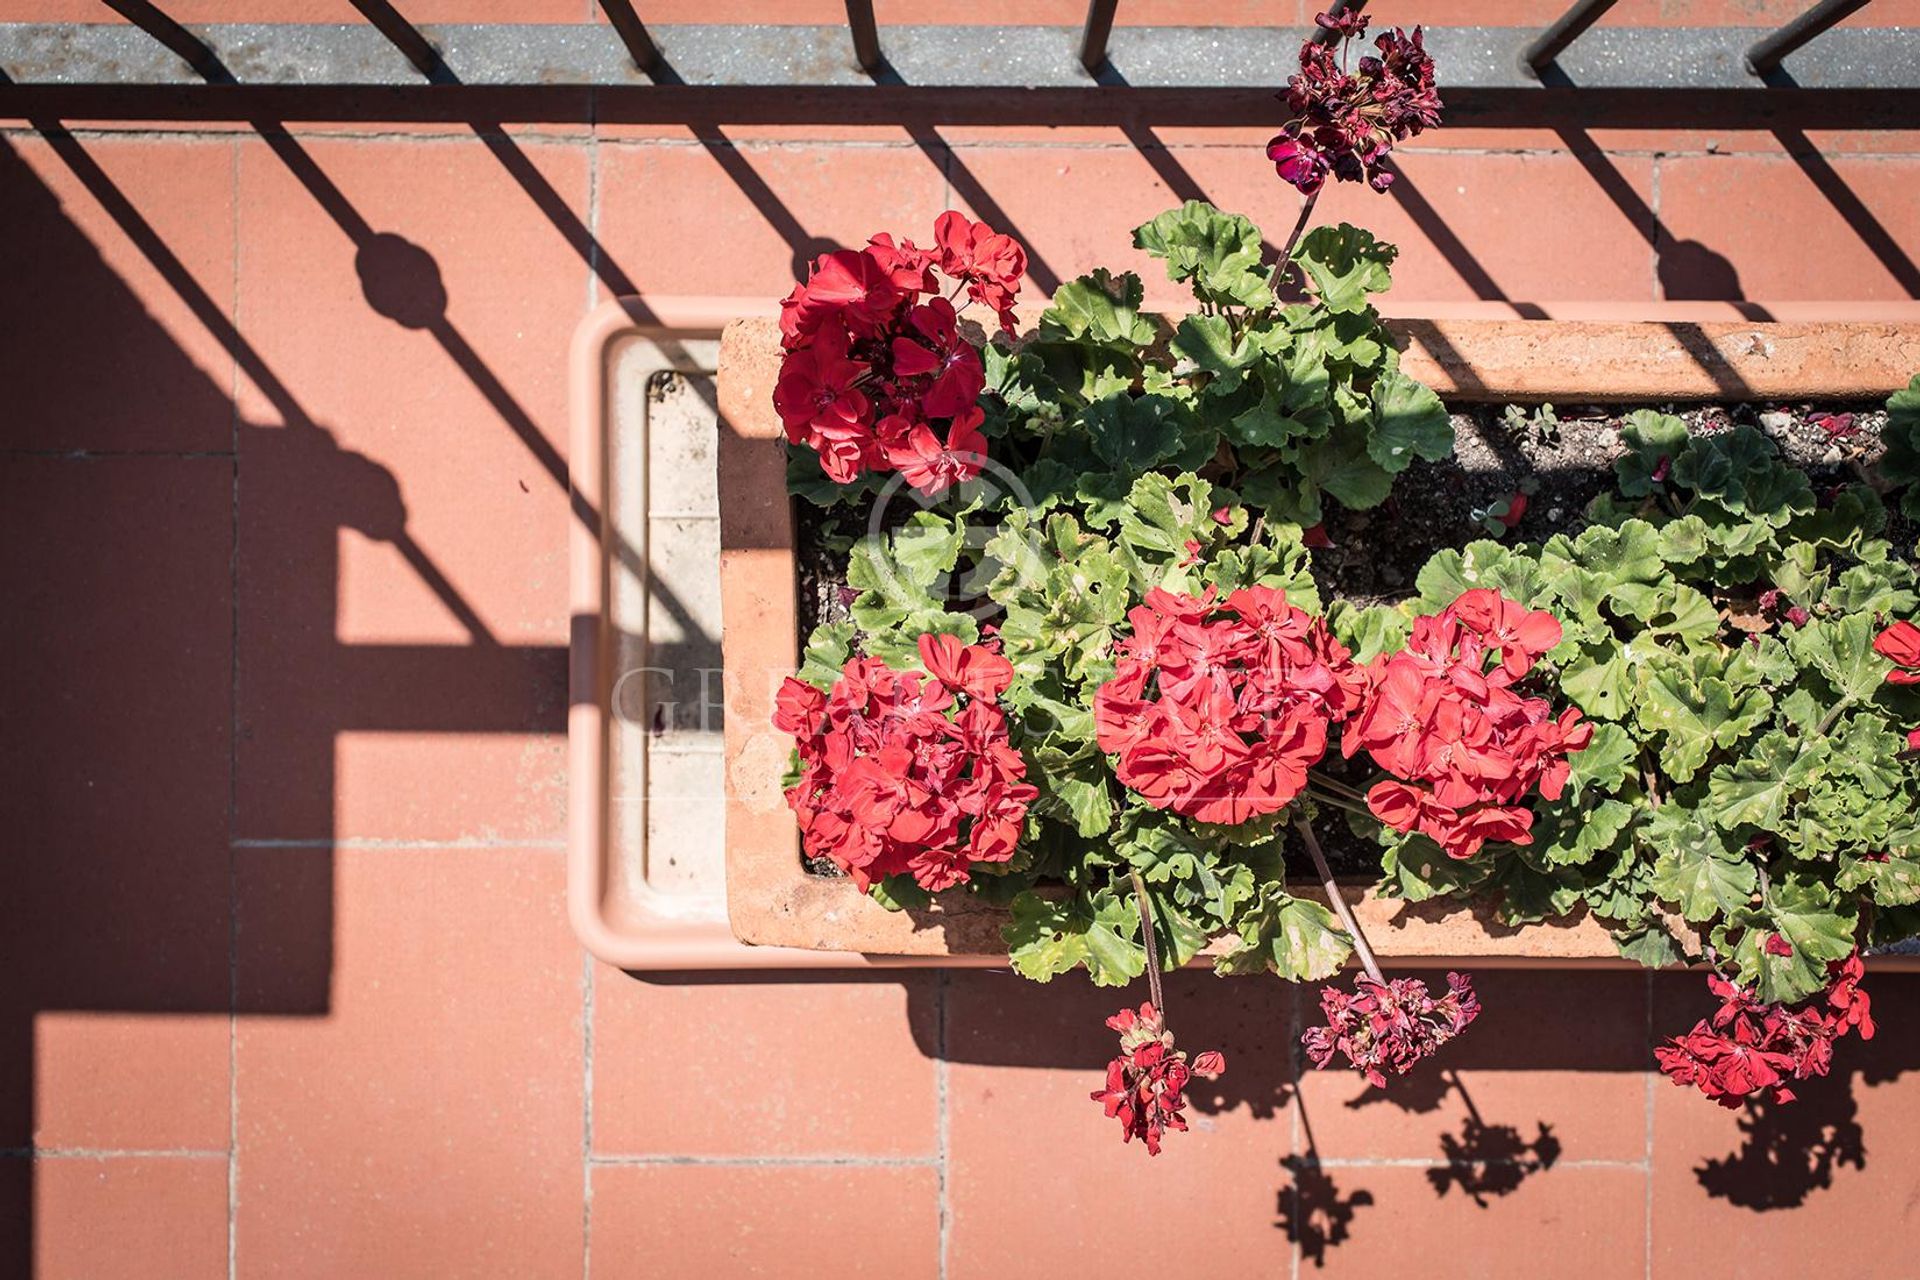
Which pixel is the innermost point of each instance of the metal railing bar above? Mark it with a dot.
(1093, 38)
(404, 36)
(1767, 52)
(185, 45)
(866, 34)
(1567, 28)
(633, 33)
(1320, 34)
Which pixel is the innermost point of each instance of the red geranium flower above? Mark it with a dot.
(908, 773)
(1389, 1026)
(1345, 124)
(989, 262)
(1217, 708)
(877, 379)
(1746, 1049)
(1900, 645)
(1466, 747)
(1146, 1083)
(932, 466)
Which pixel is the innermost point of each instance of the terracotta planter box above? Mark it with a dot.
(773, 900)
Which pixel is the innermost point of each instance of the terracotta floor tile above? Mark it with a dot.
(1587, 1222)
(1557, 1057)
(766, 1036)
(1040, 1183)
(429, 1119)
(1726, 218)
(661, 1221)
(763, 214)
(110, 246)
(1796, 1182)
(403, 600)
(1465, 224)
(159, 1218)
(114, 1001)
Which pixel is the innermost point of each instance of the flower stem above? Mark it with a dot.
(1339, 801)
(1340, 788)
(1826, 721)
(1146, 936)
(1340, 906)
(1286, 254)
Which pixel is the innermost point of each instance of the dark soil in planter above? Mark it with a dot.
(1376, 554)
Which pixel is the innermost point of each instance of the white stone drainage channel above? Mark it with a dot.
(647, 846)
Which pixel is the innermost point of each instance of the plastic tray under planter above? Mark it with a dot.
(773, 900)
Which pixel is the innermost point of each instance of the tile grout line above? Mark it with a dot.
(375, 842)
(1293, 1138)
(1652, 1078)
(588, 974)
(1503, 1162)
(766, 1162)
(94, 455)
(113, 1153)
(586, 1113)
(233, 759)
(577, 139)
(943, 1200)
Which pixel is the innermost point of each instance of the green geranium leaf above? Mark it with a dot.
(1900, 465)
(1135, 434)
(1297, 939)
(1577, 837)
(1047, 937)
(1650, 945)
(1219, 253)
(1697, 718)
(1528, 894)
(1609, 758)
(899, 647)
(1651, 439)
(1600, 680)
(1696, 872)
(1345, 264)
(1450, 574)
(1267, 425)
(1368, 632)
(827, 651)
(1408, 422)
(1100, 308)
(891, 596)
(1743, 472)
(1342, 466)
(1842, 651)
(1892, 881)
(900, 893)
(1816, 929)
(1754, 790)
(1417, 869)
(1209, 342)
(927, 546)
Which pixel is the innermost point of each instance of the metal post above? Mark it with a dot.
(866, 35)
(1093, 41)
(1765, 53)
(633, 33)
(1323, 36)
(1570, 26)
(401, 35)
(190, 49)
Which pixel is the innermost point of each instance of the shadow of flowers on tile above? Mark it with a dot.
(1491, 1159)
(1313, 1211)
(1790, 1150)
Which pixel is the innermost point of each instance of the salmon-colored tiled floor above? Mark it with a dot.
(289, 988)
